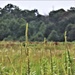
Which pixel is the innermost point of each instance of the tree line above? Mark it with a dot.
(13, 22)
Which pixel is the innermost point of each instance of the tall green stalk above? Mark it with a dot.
(26, 34)
(21, 61)
(27, 50)
(26, 40)
(65, 62)
(68, 62)
(65, 36)
(51, 62)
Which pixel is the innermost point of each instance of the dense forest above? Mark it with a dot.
(13, 22)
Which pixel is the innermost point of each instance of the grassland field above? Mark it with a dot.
(37, 58)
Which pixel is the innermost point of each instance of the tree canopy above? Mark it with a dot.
(13, 22)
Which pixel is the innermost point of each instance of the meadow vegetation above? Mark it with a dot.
(37, 58)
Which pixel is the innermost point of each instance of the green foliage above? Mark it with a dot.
(53, 36)
(38, 37)
(71, 30)
(13, 22)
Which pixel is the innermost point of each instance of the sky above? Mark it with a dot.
(43, 6)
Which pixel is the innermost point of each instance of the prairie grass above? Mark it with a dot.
(37, 58)
(43, 59)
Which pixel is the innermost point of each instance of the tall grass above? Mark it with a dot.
(37, 58)
(27, 50)
(68, 61)
(52, 61)
(65, 36)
